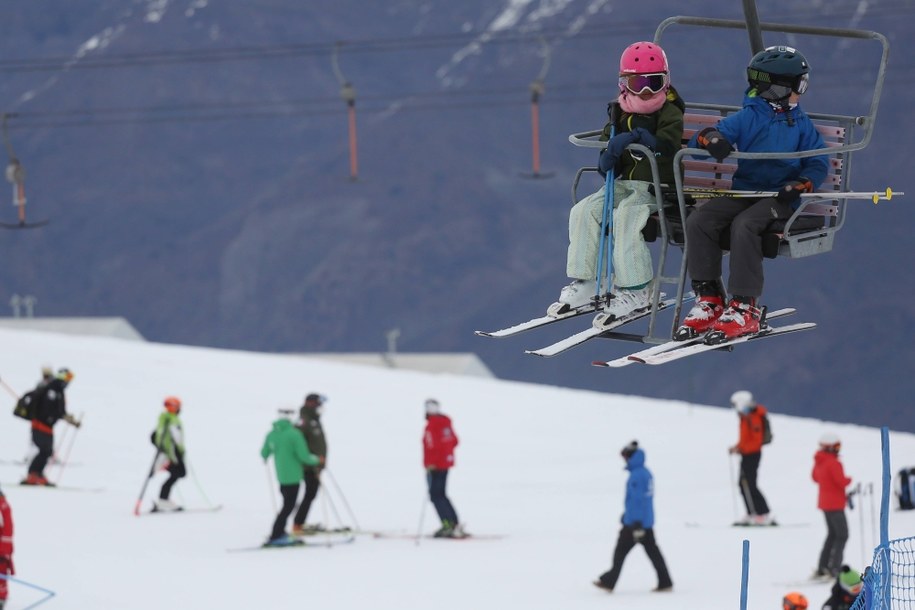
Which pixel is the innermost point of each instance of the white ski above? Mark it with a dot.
(538, 322)
(698, 348)
(640, 356)
(590, 333)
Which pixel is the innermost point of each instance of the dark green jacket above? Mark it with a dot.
(314, 432)
(290, 452)
(667, 126)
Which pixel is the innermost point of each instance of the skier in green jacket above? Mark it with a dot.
(290, 456)
(169, 440)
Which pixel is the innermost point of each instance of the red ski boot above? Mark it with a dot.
(739, 319)
(700, 319)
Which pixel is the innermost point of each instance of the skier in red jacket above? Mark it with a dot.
(6, 546)
(439, 441)
(830, 476)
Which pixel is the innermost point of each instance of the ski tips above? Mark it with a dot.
(599, 363)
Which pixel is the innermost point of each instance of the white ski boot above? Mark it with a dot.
(622, 303)
(577, 294)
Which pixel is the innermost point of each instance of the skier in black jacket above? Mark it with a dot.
(310, 425)
(49, 405)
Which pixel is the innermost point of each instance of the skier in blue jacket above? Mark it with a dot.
(638, 522)
(770, 121)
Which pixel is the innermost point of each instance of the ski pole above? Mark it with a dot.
(60, 473)
(606, 223)
(339, 491)
(873, 196)
(197, 483)
(48, 593)
(152, 471)
(733, 488)
(11, 391)
(422, 516)
(270, 487)
(333, 508)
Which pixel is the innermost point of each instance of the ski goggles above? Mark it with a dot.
(640, 83)
(774, 87)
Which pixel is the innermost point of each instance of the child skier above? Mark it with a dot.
(290, 455)
(169, 440)
(648, 111)
(749, 447)
(770, 121)
(310, 426)
(6, 547)
(49, 405)
(845, 590)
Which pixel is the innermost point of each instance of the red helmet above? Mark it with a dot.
(172, 404)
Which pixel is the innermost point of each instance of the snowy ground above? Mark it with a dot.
(538, 464)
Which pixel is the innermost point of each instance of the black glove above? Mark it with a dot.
(791, 192)
(711, 140)
(638, 532)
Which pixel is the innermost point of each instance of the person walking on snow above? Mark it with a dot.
(845, 590)
(829, 475)
(6, 547)
(50, 405)
(749, 447)
(439, 441)
(169, 440)
(310, 426)
(772, 121)
(290, 456)
(638, 522)
(648, 111)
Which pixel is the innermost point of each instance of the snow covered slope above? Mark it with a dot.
(539, 465)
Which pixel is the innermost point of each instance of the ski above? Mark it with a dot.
(310, 532)
(766, 526)
(541, 321)
(202, 509)
(698, 348)
(296, 543)
(405, 536)
(640, 356)
(60, 487)
(592, 332)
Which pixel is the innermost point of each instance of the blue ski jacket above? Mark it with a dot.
(639, 506)
(757, 127)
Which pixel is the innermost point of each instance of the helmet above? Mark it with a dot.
(777, 71)
(314, 400)
(629, 449)
(830, 442)
(65, 375)
(742, 400)
(172, 404)
(285, 413)
(794, 601)
(643, 58)
(47, 371)
(850, 581)
(432, 407)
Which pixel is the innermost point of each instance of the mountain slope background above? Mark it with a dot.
(192, 158)
(548, 482)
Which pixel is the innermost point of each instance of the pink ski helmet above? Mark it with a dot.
(643, 58)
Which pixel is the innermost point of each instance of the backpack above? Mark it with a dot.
(907, 489)
(25, 406)
(767, 430)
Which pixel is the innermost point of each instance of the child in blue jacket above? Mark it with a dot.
(770, 121)
(638, 522)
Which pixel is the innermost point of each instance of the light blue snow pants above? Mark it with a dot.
(632, 205)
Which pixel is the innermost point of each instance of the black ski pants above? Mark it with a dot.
(437, 480)
(624, 544)
(746, 220)
(752, 497)
(834, 546)
(45, 444)
(290, 494)
(312, 484)
(176, 470)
